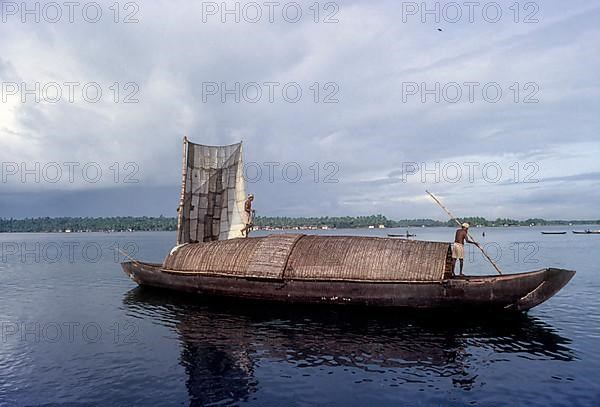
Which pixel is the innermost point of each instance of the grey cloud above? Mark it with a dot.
(588, 176)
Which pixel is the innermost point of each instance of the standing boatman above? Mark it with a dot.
(248, 215)
(458, 248)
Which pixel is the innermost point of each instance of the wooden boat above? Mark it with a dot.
(554, 233)
(309, 269)
(211, 258)
(587, 232)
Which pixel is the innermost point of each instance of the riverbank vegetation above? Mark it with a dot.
(161, 223)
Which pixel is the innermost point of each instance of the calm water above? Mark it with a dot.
(76, 330)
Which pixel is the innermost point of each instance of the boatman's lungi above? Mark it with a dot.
(247, 218)
(458, 251)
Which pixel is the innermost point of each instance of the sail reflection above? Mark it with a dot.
(223, 343)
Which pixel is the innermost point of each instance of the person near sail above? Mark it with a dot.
(458, 248)
(248, 215)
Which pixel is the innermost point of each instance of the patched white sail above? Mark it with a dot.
(213, 193)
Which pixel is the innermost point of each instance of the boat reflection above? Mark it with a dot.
(222, 343)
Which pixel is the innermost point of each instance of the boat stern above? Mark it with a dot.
(141, 273)
(130, 269)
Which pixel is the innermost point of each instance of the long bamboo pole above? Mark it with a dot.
(182, 196)
(128, 256)
(468, 234)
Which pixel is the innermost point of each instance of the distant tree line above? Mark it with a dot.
(159, 224)
(349, 222)
(116, 224)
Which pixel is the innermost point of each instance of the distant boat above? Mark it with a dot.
(554, 233)
(587, 232)
(402, 235)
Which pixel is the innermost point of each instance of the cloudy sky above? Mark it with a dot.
(495, 107)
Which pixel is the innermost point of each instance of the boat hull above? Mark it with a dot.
(517, 292)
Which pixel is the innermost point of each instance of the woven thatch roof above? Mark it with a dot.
(315, 258)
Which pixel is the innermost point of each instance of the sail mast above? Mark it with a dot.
(180, 219)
